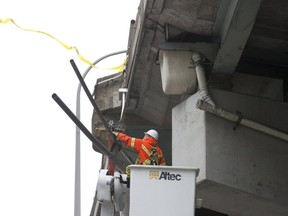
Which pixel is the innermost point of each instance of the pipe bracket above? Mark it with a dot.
(237, 123)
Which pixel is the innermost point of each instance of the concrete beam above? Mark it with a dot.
(234, 23)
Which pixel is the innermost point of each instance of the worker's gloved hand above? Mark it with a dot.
(115, 133)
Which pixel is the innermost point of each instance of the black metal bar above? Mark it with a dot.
(89, 95)
(97, 143)
(84, 86)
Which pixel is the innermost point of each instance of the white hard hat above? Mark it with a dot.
(152, 133)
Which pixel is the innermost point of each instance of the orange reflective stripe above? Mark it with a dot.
(146, 150)
(132, 142)
(147, 162)
(138, 161)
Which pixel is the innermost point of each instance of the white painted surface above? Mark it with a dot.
(151, 193)
(177, 72)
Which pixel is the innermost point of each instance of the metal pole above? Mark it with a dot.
(84, 86)
(77, 192)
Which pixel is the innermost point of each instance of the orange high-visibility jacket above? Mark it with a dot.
(143, 147)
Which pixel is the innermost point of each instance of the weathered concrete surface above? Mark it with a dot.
(235, 202)
(258, 86)
(244, 159)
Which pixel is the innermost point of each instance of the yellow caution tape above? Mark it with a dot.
(120, 68)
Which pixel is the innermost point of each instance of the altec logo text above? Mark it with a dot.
(157, 175)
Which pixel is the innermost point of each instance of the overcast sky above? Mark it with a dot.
(37, 147)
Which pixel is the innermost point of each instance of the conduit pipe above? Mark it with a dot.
(202, 105)
(77, 190)
(208, 105)
(201, 78)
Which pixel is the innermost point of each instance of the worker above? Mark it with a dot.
(147, 148)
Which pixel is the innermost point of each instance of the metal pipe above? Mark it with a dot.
(208, 105)
(123, 106)
(77, 192)
(97, 143)
(84, 86)
(201, 78)
(202, 105)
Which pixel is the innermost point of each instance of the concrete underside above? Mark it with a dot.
(234, 202)
(242, 171)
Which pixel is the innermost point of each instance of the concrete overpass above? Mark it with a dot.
(244, 45)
